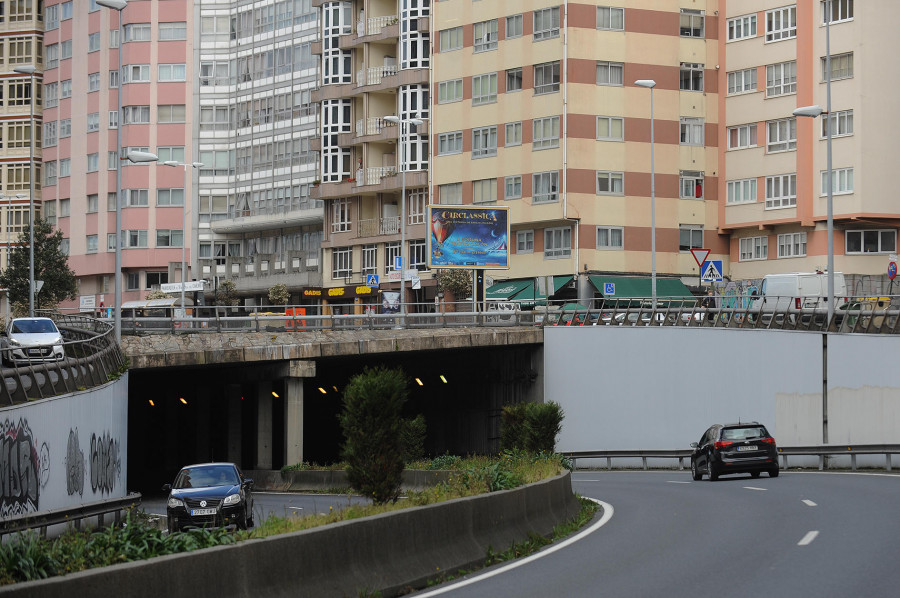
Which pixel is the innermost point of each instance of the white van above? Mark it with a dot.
(799, 290)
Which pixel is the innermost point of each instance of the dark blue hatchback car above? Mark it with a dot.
(734, 448)
(210, 495)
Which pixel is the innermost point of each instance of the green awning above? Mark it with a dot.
(530, 291)
(506, 290)
(625, 287)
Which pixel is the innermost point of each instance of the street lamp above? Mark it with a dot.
(813, 112)
(142, 157)
(650, 84)
(118, 5)
(31, 72)
(404, 132)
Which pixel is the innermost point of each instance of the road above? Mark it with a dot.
(801, 534)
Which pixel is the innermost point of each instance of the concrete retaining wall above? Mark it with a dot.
(386, 552)
(326, 480)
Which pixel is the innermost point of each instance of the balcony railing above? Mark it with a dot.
(370, 126)
(374, 75)
(373, 175)
(374, 25)
(373, 227)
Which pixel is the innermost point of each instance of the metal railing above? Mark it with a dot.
(75, 515)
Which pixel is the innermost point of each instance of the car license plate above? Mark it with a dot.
(196, 512)
(34, 351)
(751, 447)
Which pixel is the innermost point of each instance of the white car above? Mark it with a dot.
(29, 340)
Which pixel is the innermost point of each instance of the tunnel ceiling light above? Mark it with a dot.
(182, 400)
(152, 404)
(274, 394)
(444, 380)
(419, 382)
(335, 388)
(323, 391)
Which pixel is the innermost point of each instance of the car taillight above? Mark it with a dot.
(797, 302)
(722, 444)
(769, 440)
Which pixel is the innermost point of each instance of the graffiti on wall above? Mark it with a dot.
(106, 465)
(74, 465)
(24, 469)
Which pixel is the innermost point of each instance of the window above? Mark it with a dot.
(484, 89)
(485, 36)
(172, 72)
(51, 95)
(545, 133)
(112, 160)
(134, 238)
(369, 259)
(610, 73)
(840, 10)
(781, 78)
(691, 24)
(342, 262)
(514, 79)
(51, 56)
(792, 245)
(169, 197)
(450, 143)
(741, 27)
(93, 162)
(65, 50)
(513, 134)
(92, 203)
(49, 134)
(484, 142)
(451, 39)
(610, 128)
(841, 66)
(512, 187)
(111, 242)
(781, 23)
(781, 191)
(169, 237)
(546, 78)
(610, 183)
(65, 167)
(137, 32)
(545, 187)
(557, 243)
(91, 242)
(136, 114)
(450, 194)
(742, 136)
(93, 42)
(842, 181)
(64, 208)
(51, 17)
(524, 241)
(113, 79)
(391, 251)
(136, 198)
(65, 88)
(93, 82)
(170, 113)
(691, 184)
(154, 279)
(172, 31)
(136, 73)
(691, 131)
(173, 153)
(113, 119)
(546, 23)
(782, 135)
(50, 173)
(93, 122)
(611, 19)
(514, 26)
(417, 207)
(841, 123)
(742, 81)
(133, 282)
(450, 91)
(741, 191)
(113, 38)
(340, 215)
(610, 237)
(871, 241)
(691, 76)
(690, 236)
(484, 191)
(754, 248)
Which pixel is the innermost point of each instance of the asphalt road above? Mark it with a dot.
(801, 534)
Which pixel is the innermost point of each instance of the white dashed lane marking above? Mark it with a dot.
(808, 538)
(755, 488)
(808, 502)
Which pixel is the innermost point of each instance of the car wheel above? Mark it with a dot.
(754, 474)
(773, 473)
(694, 473)
(713, 474)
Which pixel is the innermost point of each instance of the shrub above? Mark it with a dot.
(531, 427)
(446, 461)
(412, 438)
(279, 294)
(512, 427)
(371, 424)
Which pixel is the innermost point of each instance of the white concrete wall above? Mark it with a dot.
(64, 451)
(660, 388)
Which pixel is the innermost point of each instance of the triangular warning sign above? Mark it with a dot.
(700, 255)
(711, 272)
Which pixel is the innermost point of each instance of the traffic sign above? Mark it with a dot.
(711, 271)
(609, 289)
(398, 262)
(371, 280)
(892, 270)
(700, 256)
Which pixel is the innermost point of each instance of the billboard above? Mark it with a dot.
(468, 237)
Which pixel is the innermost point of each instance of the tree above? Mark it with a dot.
(373, 402)
(279, 294)
(50, 265)
(226, 294)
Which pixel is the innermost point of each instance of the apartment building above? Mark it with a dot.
(376, 58)
(21, 49)
(775, 188)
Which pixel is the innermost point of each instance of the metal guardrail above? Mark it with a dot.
(43, 519)
(822, 451)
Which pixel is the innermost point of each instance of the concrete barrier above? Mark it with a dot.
(387, 553)
(330, 480)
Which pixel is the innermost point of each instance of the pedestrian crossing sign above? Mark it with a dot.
(711, 271)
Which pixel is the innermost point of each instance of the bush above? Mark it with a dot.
(412, 438)
(371, 424)
(512, 427)
(531, 427)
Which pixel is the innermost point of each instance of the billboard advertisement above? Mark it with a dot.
(468, 237)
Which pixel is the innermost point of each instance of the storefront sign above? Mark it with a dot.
(349, 292)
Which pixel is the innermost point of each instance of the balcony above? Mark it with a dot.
(374, 227)
(258, 219)
(295, 268)
(371, 181)
(374, 75)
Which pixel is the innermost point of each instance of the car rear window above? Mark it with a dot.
(744, 433)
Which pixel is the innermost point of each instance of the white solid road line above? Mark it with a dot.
(755, 488)
(607, 515)
(808, 538)
(808, 502)
(677, 482)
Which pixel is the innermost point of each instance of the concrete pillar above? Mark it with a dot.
(202, 448)
(233, 402)
(263, 425)
(293, 409)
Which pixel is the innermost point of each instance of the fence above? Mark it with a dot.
(75, 515)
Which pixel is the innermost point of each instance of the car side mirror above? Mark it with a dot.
(167, 487)
(248, 483)
(694, 445)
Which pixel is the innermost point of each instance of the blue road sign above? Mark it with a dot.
(371, 280)
(398, 262)
(711, 271)
(609, 289)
